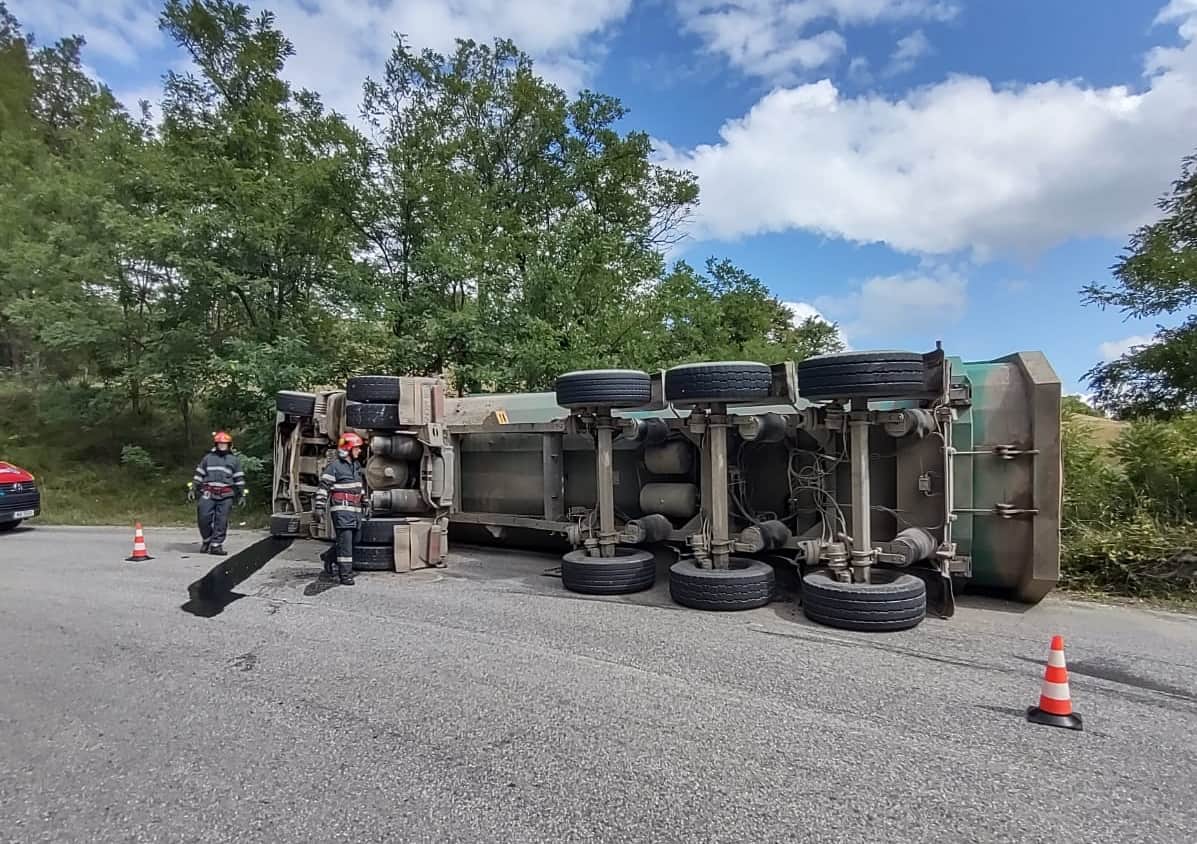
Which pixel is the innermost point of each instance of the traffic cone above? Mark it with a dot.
(1055, 700)
(139, 552)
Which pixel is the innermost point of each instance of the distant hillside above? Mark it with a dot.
(1104, 431)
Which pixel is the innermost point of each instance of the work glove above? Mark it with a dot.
(241, 499)
(191, 493)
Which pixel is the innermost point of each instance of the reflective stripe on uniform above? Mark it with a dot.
(344, 508)
(218, 468)
(344, 559)
(348, 485)
(328, 477)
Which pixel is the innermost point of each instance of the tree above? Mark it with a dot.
(64, 298)
(1156, 274)
(726, 314)
(514, 228)
(258, 254)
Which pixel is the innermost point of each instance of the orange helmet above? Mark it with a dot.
(349, 440)
(222, 437)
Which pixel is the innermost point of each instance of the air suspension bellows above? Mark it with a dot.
(398, 501)
(764, 428)
(651, 528)
(677, 501)
(915, 544)
(765, 536)
(397, 446)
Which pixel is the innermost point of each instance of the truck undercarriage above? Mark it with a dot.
(739, 467)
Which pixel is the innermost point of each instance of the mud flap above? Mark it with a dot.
(941, 596)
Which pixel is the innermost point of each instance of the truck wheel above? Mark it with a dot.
(373, 388)
(379, 531)
(373, 558)
(893, 601)
(630, 570)
(372, 417)
(604, 388)
(296, 404)
(861, 375)
(284, 524)
(709, 383)
(744, 585)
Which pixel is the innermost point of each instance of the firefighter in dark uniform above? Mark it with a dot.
(219, 482)
(342, 494)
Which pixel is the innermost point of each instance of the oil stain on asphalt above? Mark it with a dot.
(209, 595)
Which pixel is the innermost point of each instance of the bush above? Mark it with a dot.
(1129, 522)
(139, 460)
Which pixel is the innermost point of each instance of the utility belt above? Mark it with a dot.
(352, 498)
(217, 489)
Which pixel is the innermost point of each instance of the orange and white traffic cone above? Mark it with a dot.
(139, 552)
(1055, 699)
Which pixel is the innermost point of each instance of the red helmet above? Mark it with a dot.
(349, 440)
(222, 437)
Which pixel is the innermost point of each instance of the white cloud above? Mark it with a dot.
(775, 39)
(115, 29)
(959, 165)
(802, 311)
(889, 305)
(1114, 349)
(1177, 10)
(557, 33)
(338, 43)
(909, 50)
(858, 71)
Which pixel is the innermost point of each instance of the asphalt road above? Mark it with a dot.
(484, 703)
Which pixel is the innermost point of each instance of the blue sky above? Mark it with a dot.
(911, 169)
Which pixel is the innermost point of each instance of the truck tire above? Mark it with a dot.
(284, 524)
(604, 388)
(861, 375)
(373, 388)
(744, 585)
(630, 570)
(379, 531)
(372, 417)
(373, 558)
(893, 601)
(296, 404)
(709, 383)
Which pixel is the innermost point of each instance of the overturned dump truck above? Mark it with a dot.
(883, 480)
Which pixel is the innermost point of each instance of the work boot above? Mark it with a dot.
(204, 548)
(347, 581)
(218, 550)
(326, 576)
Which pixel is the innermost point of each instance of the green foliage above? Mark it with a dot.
(1130, 511)
(1156, 274)
(161, 280)
(139, 460)
(1077, 405)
